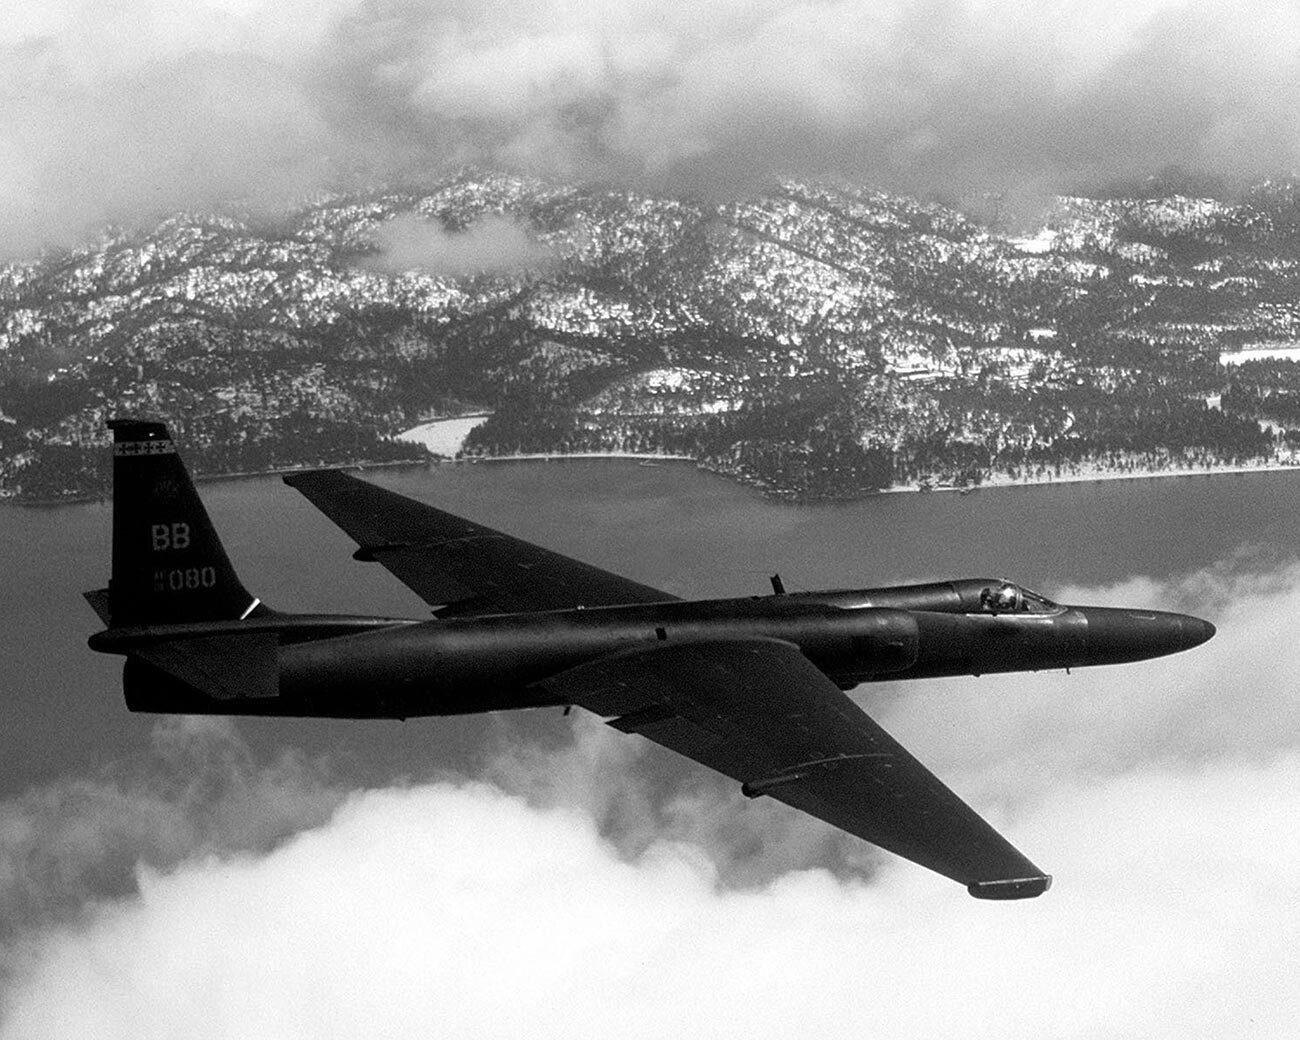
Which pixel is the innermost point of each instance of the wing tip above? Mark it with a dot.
(1011, 888)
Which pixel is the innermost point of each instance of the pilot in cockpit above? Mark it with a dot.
(1002, 600)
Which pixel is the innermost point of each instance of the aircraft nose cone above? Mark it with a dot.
(1195, 631)
(1116, 635)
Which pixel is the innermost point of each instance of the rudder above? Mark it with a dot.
(169, 566)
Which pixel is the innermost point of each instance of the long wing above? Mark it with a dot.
(461, 567)
(758, 711)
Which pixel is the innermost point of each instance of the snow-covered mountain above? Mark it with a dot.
(819, 339)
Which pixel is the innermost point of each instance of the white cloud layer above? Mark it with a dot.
(459, 910)
(582, 892)
(124, 111)
(63, 845)
(492, 244)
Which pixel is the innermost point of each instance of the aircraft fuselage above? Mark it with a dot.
(455, 666)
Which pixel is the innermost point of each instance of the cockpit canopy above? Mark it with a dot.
(959, 596)
(1008, 598)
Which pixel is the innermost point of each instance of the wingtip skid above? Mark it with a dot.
(1011, 888)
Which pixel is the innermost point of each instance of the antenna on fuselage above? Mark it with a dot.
(778, 586)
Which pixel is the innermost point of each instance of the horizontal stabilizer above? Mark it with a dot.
(226, 667)
(99, 603)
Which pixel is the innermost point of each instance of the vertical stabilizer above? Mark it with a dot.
(168, 564)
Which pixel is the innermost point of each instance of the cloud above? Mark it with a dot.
(596, 888)
(460, 910)
(197, 131)
(638, 795)
(200, 791)
(493, 244)
(142, 107)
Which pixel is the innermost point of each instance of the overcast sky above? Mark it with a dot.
(125, 110)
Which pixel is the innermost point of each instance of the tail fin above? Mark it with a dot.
(168, 564)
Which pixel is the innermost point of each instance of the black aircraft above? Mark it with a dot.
(752, 687)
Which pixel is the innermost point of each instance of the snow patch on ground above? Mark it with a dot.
(443, 436)
(1286, 351)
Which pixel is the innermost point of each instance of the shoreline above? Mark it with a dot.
(212, 478)
(542, 456)
(994, 482)
(997, 481)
